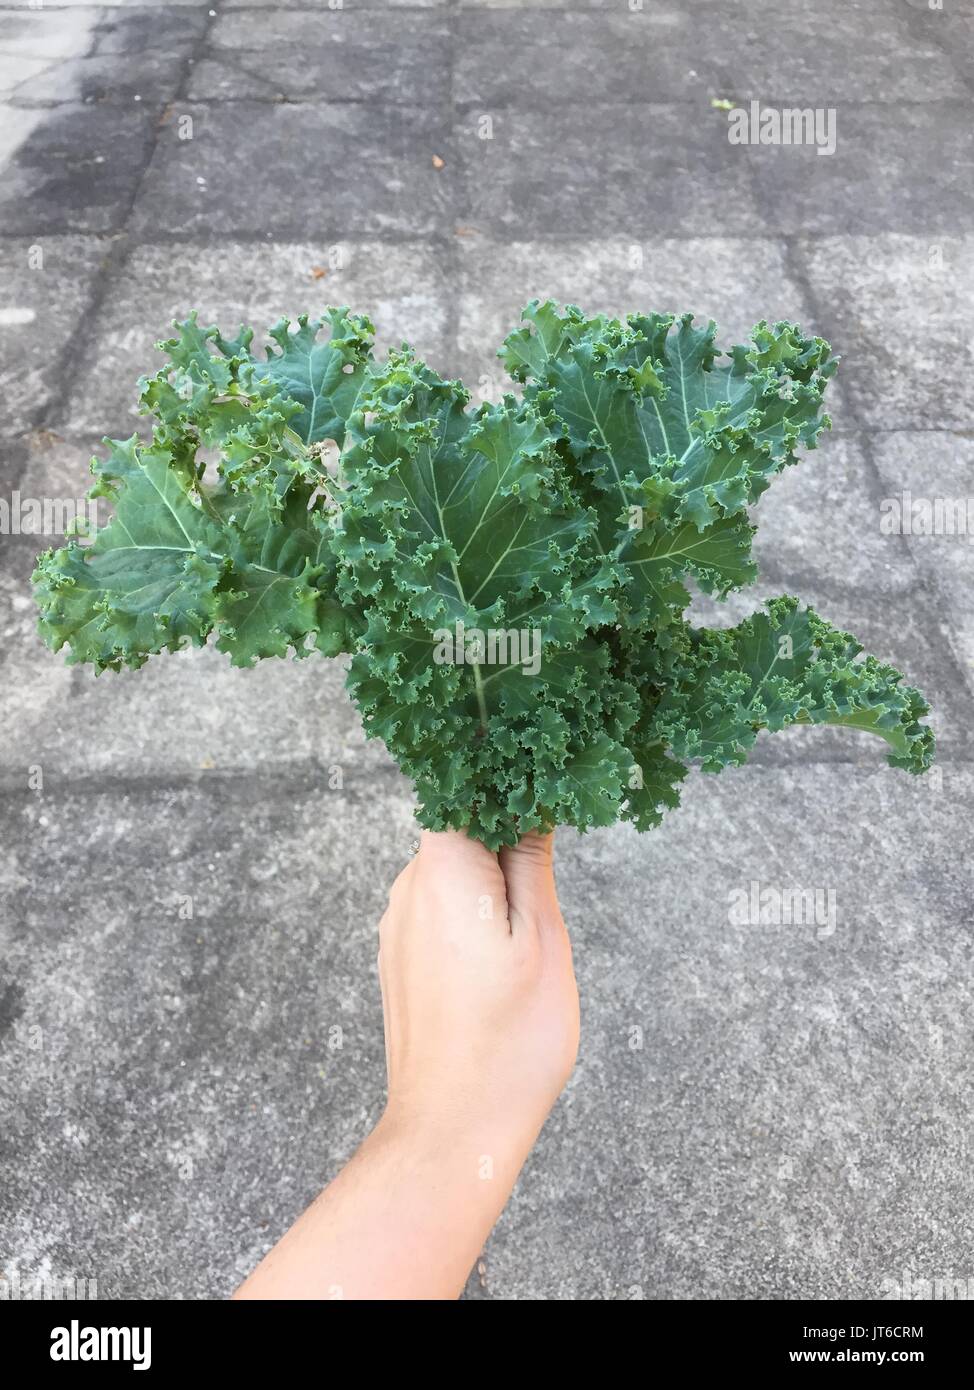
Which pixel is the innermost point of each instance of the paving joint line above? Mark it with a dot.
(71, 357)
(927, 579)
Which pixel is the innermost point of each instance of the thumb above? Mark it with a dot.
(529, 874)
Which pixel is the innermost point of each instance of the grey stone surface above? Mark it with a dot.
(777, 53)
(604, 170)
(936, 468)
(177, 1071)
(708, 11)
(279, 170)
(78, 171)
(819, 523)
(951, 28)
(46, 284)
(881, 177)
(147, 28)
(331, 55)
(899, 309)
(46, 34)
(792, 1124)
(962, 9)
(794, 55)
(111, 5)
(182, 717)
(147, 76)
(188, 900)
(531, 58)
(352, 6)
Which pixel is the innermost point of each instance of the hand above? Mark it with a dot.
(478, 990)
(481, 1023)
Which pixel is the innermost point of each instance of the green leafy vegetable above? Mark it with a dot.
(510, 581)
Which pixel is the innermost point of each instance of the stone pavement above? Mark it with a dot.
(758, 1112)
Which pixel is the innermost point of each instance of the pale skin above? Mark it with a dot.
(481, 1026)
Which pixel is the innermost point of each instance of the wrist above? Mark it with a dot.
(471, 1145)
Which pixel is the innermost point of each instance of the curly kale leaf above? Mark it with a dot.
(177, 563)
(782, 667)
(669, 446)
(246, 557)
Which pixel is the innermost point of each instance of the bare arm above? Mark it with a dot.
(481, 1025)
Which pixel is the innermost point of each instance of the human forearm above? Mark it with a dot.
(405, 1219)
(481, 1026)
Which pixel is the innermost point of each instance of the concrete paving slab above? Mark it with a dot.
(712, 12)
(951, 28)
(325, 169)
(181, 715)
(52, 467)
(357, 5)
(168, 966)
(147, 27)
(793, 56)
(46, 285)
(789, 1105)
(899, 308)
(959, 8)
(529, 58)
(16, 71)
(880, 177)
(110, 5)
(648, 170)
(332, 55)
(654, 52)
(927, 487)
(148, 76)
(819, 523)
(47, 34)
(708, 13)
(78, 171)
